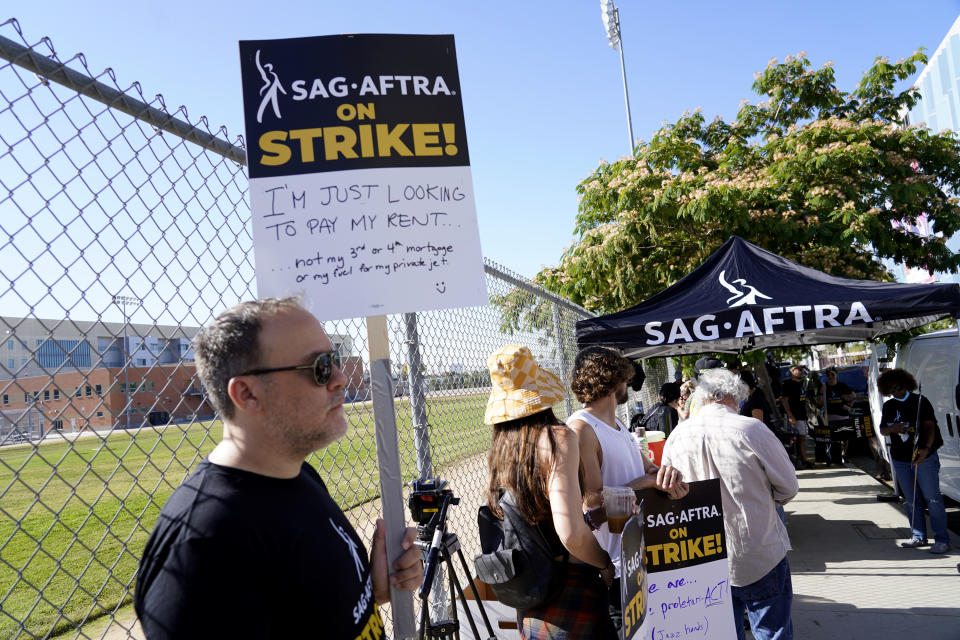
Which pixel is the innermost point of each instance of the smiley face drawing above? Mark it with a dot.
(441, 287)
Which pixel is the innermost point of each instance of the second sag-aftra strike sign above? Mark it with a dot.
(687, 574)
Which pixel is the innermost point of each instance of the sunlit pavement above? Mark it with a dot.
(851, 579)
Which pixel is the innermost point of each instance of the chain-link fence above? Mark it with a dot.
(126, 229)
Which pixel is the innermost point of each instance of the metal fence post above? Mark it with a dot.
(418, 398)
(564, 365)
(421, 439)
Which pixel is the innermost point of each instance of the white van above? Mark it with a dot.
(934, 360)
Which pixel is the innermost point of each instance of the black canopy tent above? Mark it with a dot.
(743, 298)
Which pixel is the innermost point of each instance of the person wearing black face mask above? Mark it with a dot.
(909, 420)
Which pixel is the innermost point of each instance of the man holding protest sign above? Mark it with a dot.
(360, 192)
(252, 545)
(755, 476)
(608, 453)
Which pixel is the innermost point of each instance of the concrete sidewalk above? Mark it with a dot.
(851, 579)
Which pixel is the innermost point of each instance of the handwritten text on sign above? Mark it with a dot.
(372, 241)
(688, 589)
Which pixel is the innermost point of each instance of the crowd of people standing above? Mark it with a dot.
(254, 527)
(714, 441)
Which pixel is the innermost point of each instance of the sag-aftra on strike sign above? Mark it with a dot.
(686, 574)
(360, 184)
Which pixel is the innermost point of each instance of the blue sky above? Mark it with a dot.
(542, 92)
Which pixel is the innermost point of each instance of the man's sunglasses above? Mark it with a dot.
(322, 367)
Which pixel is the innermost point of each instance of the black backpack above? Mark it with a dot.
(655, 420)
(516, 560)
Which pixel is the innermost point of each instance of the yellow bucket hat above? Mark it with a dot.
(521, 387)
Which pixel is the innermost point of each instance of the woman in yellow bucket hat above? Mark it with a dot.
(534, 455)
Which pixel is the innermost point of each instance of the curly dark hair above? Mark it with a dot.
(890, 380)
(597, 372)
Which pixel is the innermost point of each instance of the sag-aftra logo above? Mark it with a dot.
(341, 87)
(765, 320)
(335, 103)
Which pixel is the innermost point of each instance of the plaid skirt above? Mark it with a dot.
(579, 612)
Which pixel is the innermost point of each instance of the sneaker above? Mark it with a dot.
(940, 547)
(914, 543)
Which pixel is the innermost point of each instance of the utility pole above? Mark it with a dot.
(611, 22)
(122, 302)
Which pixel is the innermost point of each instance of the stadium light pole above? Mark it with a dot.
(611, 22)
(122, 302)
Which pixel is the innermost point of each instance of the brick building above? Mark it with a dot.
(98, 398)
(111, 397)
(70, 375)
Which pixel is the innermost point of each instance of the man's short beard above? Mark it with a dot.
(622, 397)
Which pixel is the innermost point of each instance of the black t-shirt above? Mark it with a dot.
(236, 554)
(756, 401)
(793, 392)
(906, 411)
(662, 417)
(836, 405)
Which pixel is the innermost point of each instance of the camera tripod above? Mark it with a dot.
(439, 548)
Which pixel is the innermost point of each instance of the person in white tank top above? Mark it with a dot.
(608, 453)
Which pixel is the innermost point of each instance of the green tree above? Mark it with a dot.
(812, 173)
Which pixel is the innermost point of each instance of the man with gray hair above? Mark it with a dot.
(755, 476)
(252, 545)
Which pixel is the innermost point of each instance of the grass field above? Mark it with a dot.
(75, 516)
